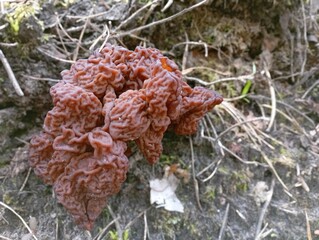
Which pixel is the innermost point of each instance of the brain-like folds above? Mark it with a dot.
(101, 103)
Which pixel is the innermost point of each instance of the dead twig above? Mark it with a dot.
(11, 75)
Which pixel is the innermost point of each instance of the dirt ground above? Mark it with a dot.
(254, 162)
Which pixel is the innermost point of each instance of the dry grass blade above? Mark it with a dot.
(21, 219)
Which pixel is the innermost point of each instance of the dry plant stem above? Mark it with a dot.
(22, 220)
(137, 217)
(117, 224)
(146, 232)
(101, 235)
(248, 128)
(263, 233)
(194, 175)
(76, 51)
(11, 75)
(193, 43)
(52, 56)
(215, 133)
(123, 23)
(56, 229)
(305, 37)
(167, 5)
(236, 98)
(5, 238)
(119, 35)
(214, 172)
(41, 79)
(14, 44)
(208, 167)
(207, 84)
(242, 160)
(264, 210)
(185, 54)
(189, 70)
(25, 180)
(292, 120)
(65, 32)
(224, 224)
(286, 105)
(61, 39)
(273, 101)
(309, 236)
(105, 33)
(273, 169)
(271, 138)
(310, 89)
(240, 123)
(83, 18)
(106, 37)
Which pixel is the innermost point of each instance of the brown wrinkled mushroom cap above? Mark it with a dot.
(101, 103)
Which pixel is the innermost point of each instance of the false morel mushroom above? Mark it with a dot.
(101, 103)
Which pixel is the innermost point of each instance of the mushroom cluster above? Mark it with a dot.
(101, 103)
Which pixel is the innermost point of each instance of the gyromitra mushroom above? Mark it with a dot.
(101, 103)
